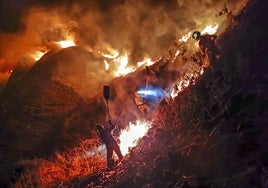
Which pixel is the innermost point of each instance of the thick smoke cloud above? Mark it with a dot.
(139, 28)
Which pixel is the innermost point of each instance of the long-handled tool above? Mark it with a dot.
(106, 95)
(147, 76)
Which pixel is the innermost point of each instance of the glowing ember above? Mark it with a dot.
(130, 137)
(209, 29)
(66, 43)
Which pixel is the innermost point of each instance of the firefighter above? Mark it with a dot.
(208, 47)
(110, 143)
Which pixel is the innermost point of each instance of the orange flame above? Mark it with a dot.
(123, 68)
(107, 65)
(185, 37)
(112, 53)
(190, 78)
(130, 137)
(147, 62)
(209, 29)
(66, 43)
(37, 55)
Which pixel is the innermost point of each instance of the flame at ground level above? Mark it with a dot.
(130, 136)
(66, 43)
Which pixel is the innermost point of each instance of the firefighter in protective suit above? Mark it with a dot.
(208, 47)
(110, 143)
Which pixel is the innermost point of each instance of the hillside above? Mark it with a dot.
(213, 134)
(44, 110)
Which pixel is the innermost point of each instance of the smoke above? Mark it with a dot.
(139, 28)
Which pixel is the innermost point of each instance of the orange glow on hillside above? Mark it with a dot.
(69, 165)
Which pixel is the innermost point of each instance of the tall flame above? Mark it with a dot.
(130, 137)
(121, 63)
(62, 44)
(123, 68)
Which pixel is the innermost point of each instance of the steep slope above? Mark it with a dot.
(214, 134)
(52, 105)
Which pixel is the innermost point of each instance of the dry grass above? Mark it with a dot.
(64, 167)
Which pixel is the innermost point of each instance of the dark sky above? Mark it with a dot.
(12, 10)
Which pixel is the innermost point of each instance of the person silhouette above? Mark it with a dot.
(110, 143)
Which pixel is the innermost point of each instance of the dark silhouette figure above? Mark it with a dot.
(207, 45)
(110, 143)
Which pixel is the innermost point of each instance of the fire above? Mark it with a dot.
(209, 29)
(121, 61)
(186, 80)
(107, 65)
(63, 44)
(66, 43)
(130, 137)
(185, 37)
(123, 68)
(189, 78)
(112, 53)
(37, 55)
(147, 62)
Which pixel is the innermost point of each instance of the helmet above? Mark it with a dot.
(196, 35)
(99, 127)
